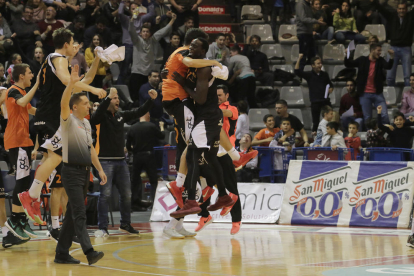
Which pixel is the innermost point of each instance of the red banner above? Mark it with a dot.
(214, 29)
(212, 10)
(324, 155)
(171, 162)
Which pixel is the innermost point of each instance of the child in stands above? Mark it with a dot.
(321, 135)
(280, 141)
(265, 136)
(353, 141)
(335, 140)
(375, 136)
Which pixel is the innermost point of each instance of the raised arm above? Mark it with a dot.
(133, 33)
(379, 120)
(23, 101)
(90, 75)
(64, 103)
(200, 63)
(164, 31)
(142, 110)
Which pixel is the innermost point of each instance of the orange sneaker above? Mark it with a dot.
(245, 157)
(203, 223)
(27, 204)
(227, 210)
(235, 227)
(37, 213)
(190, 207)
(222, 201)
(176, 192)
(207, 193)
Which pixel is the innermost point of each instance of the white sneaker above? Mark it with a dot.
(186, 233)
(171, 233)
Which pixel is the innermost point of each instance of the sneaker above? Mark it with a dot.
(171, 233)
(105, 232)
(235, 228)
(410, 241)
(53, 234)
(94, 256)
(27, 229)
(127, 228)
(222, 201)
(176, 192)
(186, 233)
(65, 259)
(203, 223)
(227, 210)
(9, 240)
(245, 157)
(207, 193)
(16, 230)
(27, 202)
(76, 240)
(190, 207)
(36, 212)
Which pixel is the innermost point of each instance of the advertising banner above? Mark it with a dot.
(211, 10)
(341, 193)
(260, 202)
(214, 29)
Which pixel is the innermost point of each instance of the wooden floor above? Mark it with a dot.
(256, 250)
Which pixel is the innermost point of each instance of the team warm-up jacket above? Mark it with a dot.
(110, 140)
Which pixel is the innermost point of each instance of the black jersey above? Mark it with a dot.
(48, 109)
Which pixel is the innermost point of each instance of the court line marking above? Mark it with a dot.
(351, 260)
(123, 270)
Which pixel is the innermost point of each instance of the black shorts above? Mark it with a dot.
(20, 159)
(55, 179)
(50, 137)
(206, 133)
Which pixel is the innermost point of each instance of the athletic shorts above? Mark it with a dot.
(55, 179)
(206, 134)
(20, 159)
(50, 137)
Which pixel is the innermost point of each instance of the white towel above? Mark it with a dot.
(220, 73)
(111, 54)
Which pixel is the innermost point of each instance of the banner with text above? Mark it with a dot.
(211, 9)
(215, 29)
(260, 202)
(341, 193)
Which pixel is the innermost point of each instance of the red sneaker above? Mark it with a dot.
(176, 192)
(190, 207)
(235, 228)
(207, 192)
(37, 213)
(222, 201)
(245, 157)
(227, 210)
(203, 223)
(27, 202)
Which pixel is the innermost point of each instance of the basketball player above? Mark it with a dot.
(53, 80)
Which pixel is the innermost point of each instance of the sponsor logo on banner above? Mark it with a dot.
(212, 29)
(211, 10)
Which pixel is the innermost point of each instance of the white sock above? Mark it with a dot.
(55, 222)
(4, 231)
(180, 179)
(179, 225)
(36, 188)
(234, 154)
(171, 225)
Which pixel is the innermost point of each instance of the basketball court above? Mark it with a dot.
(258, 249)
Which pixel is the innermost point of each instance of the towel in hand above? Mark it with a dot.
(111, 54)
(220, 73)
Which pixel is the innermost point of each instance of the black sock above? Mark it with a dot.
(15, 217)
(23, 217)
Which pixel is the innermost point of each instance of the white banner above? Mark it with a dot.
(260, 202)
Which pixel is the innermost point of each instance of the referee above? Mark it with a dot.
(78, 153)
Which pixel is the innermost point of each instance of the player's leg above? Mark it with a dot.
(227, 145)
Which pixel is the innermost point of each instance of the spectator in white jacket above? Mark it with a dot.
(243, 121)
(335, 140)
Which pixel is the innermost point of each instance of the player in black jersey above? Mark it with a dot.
(53, 80)
(205, 135)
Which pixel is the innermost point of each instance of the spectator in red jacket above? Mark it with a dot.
(353, 141)
(348, 100)
(47, 27)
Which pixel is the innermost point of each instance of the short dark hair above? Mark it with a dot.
(285, 120)
(333, 125)
(314, 59)
(101, 42)
(354, 123)
(353, 81)
(75, 99)
(402, 2)
(187, 18)
(374, 46)
(220, 34)
(204, 44)
(224, 88)
(398, 114)
(153, 71)
(146, 26)
(326, 109)
(283, 102)
(61, 36)
(412, 75)
(257, 37)
(101, 20)
(373, 123)
(173, 34)
(194, 33)
(19, 69)
(267, 116)
(242, 106)
(235, 48)
(28, 7)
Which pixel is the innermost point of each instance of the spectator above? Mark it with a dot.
(375, 136)
(321, 31)
(110, 11)
(35, 64)
(3, 79)
(345, 25)
(400, 32)
(218, 50)
(163, 11)
(280, 139)
(318, 81)
(4, 10)
(230, 40)
(78, 29)
(16, 9)
(101, 71)
(348, 100)
(69, 12)
(175, 42)
(246, 174)
(258, 61)
(5, 36)
(242, 126)
(304, 23)
(79, 59)
(335, 140)
(278, 8)
(282, 112)
(91, 12)
(27, 32)
(321, 133)
(353, 141)
(143, 57)
(183, 9)
(99, 28)
(15, 59)
(370, 80)
(407, 101)
(365, 13)
(47, 27)
(240, 65)
(265, 135)
(372, 39)
(188, 24)
(153, 83)
(39, 10)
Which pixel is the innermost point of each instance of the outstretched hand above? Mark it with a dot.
(153, 94)
(74, 75)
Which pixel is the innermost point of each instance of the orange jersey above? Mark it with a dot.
(264, 134)
(170, 88)
(229, 123)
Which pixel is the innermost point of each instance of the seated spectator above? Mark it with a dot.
(365, 13)
(285, 137)
(188, 24)
(91, 12)
(39, 10)
(15, 59)
(100, 29)
(246, 174)
(317, 81)
(157, 110)
(78, 29)
(321, 134)
(258, 61)
(164, 12)
(375, 136)
(110, 11)
(218, 50)
(243, 121)
(321, 31)
(353, 141)
(265, 136)
(240, 65)
(345, 25)
(16, 9)
(407, 101)
(335, 140)
(230, 40)
(175, 42)
(348, 100)
(47, 27)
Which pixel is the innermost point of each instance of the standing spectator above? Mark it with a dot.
(400, 32)
(16, 9)
(4, 10)
(278, 8)
(188, 24)
(353, 141)
(175, 42)
(218, 50)
(246, 80)
(163, 11)
(243, 121)
(407, 101)
(345, 25)
(47, 27)
(78, 28)
(265, 135)
(157, 110)
(5, 32)
(91, 12)
(99, 28)
(365, 13)
(15, 59)
(375, 136)
(79, 59)
(185, 8)
(304, 22)
(258, 61)
(370, 80)
(318, 81)
(69, 12)
(143, 57)
(348, 100)
(110, 11)
(321, 133)
(35, 65)
(39, 10)
(321, 31)
(335, 140)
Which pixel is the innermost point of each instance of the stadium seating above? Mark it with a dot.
(123, 92)
(115, 71)
(390, 95)
(293, 96)
(333, 54)
(378, 30)
(251, 14)
(256, 118)
(273, 53)
(265, 33)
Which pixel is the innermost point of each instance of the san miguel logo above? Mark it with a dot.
(326, 187)
(370, 195)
